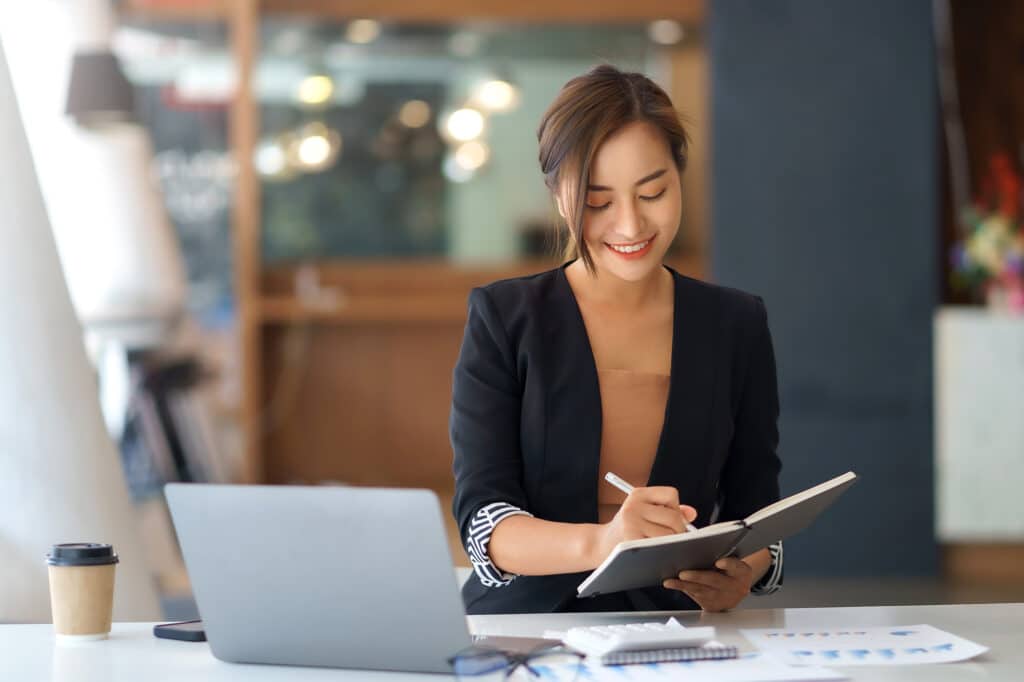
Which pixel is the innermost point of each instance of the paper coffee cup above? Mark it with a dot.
(81, 590)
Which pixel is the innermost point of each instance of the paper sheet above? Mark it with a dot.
(753, 667)
(892, 645)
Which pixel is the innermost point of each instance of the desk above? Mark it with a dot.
(28, 652)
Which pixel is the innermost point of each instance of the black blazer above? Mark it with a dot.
(526, 421)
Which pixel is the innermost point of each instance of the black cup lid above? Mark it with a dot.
(81, 554)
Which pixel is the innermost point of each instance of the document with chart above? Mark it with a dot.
(891, 645)
(750, 667)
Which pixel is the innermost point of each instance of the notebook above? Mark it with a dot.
(681, 654)
(648, 562)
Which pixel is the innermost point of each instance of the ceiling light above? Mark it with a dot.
(665, 31)
(314, 148)
(472, 155)
(315, 89)
(362, 31)
(465, 124)
(271, 161)
(497, 95)
(455, 172)
(414, 114)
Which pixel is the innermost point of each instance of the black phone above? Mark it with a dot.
(186, 631)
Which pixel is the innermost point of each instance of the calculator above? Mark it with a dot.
(598, 640)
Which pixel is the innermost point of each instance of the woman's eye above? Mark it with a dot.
(653, 196)
(599, 208)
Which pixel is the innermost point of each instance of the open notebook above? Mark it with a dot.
(647, 562)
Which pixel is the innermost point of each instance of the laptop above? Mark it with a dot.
(321, 576)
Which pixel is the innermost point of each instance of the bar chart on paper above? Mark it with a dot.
(891, 645)
(752, 667)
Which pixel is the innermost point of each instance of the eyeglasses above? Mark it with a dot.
(482, 664)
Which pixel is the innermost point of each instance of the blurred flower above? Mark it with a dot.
(989, 244)
(989, 258)
(1014, 264)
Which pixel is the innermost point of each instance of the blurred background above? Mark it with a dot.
(269, 215)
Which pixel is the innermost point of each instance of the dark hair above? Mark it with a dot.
(587, 110)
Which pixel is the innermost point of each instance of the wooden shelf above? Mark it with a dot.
(460, 11)
(372, 309)
(393, 276)
(449, 11)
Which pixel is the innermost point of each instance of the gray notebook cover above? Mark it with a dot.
(772, 523)
(646, 563)
(629, 568)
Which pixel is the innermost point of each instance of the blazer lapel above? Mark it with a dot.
(573, 430)
(685, 445)
(573, 415)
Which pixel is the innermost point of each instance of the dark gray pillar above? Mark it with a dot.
(825, 202)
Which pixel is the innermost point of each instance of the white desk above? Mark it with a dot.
(28, 652)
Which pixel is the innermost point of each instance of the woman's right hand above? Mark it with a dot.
(646, 513)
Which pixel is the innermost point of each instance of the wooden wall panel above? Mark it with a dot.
(354, 398)
(984, 564)
(497, 10)
(363, 405)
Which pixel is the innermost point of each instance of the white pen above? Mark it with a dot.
(625, 487)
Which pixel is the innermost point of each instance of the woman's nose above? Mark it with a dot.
(631, 222)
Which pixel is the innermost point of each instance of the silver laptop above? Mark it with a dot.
(321, 576)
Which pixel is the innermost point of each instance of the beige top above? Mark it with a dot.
(632, 415)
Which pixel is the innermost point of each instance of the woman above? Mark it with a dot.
(612, 362)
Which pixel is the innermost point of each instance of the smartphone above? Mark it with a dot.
(186, 631)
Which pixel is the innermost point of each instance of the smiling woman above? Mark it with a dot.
(625, 220)
(643, 155)
(611, 363)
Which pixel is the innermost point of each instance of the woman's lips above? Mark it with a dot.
(632, 255)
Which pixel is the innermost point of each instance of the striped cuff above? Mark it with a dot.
(480, 529)
(772, 579)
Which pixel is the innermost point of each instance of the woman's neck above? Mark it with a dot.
(608, 291)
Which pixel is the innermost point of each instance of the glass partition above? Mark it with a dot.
(378, 140)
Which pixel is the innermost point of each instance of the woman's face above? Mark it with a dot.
(633, 202)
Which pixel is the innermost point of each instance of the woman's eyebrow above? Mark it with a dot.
(647, 178)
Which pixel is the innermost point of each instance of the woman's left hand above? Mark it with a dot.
(716, 590)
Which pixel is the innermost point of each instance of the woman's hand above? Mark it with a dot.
(717, 590)
(646, 513)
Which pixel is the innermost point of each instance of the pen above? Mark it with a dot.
(625, 487)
